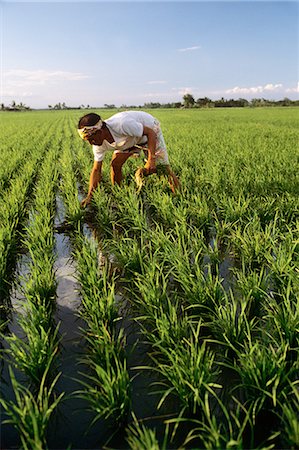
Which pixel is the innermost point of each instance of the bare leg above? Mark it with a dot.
(118, 160)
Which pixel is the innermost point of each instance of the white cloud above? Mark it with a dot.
(255, 89)
(294, 89)
(21, 78)
(156, 95)
(20, 84)
(189, 49)
(184, 90)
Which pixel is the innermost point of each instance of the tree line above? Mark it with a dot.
(15, 107)
(205, 102)
(188, 101)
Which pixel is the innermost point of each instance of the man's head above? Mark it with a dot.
(89, 126)
(89, 120)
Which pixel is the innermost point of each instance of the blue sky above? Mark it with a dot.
(136, 52)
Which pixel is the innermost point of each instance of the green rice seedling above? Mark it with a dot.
(38, 313)
(264, 374)
(197, 212)
(140, 437)
(290, 421)
(101, 343)
(253, 286)
(97, 290)
(30, 415)
(35, 356)
(188, 370)
(131, 254)
(283, 263)
(229, 324)
(129, 213)
(253, 243)
(171, 324)
(164, 211)
(283, 322)
(42, 283)
(220, 427)
(213, 254)
(107, 389)
(180, 250)
(151, 289)
(7, 248)
(223, 230)
(184, 261)
(162, 316)
(234, 209)
(104, 213)
(68, 187)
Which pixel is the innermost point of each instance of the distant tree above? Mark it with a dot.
(188, 100)
(286, 102)
(203, 102)
(152, 105)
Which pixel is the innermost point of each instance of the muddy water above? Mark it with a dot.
(70, 423)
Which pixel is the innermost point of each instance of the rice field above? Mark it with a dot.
(151, 320)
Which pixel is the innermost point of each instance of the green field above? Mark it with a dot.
(189, 316)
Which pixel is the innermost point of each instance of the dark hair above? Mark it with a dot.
(89, 120)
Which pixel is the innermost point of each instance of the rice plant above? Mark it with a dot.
(220, 427)
(264, 374)
(36, 355)
(97, 290)
(30, 414)
(189, 371)
(283, 323)
(140, 437)
(107, 388)
(229, 324)
(290, 421)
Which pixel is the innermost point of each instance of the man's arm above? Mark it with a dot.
(95, 178)
(150, 165)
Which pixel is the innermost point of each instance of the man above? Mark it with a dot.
(125, 133)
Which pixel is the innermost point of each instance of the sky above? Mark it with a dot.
(131, 53)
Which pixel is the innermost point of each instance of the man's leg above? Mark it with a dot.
(118, 159)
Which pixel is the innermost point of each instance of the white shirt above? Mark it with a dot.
(127, 130)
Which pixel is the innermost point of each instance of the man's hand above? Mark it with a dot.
(86, 201)
(150, 166)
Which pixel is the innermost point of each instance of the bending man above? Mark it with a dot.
(121, 133)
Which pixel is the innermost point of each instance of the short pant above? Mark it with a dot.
(161, 151)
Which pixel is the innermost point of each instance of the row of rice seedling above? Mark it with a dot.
(34, 352)
(13, 206)
(104, 377)
(68, 185)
